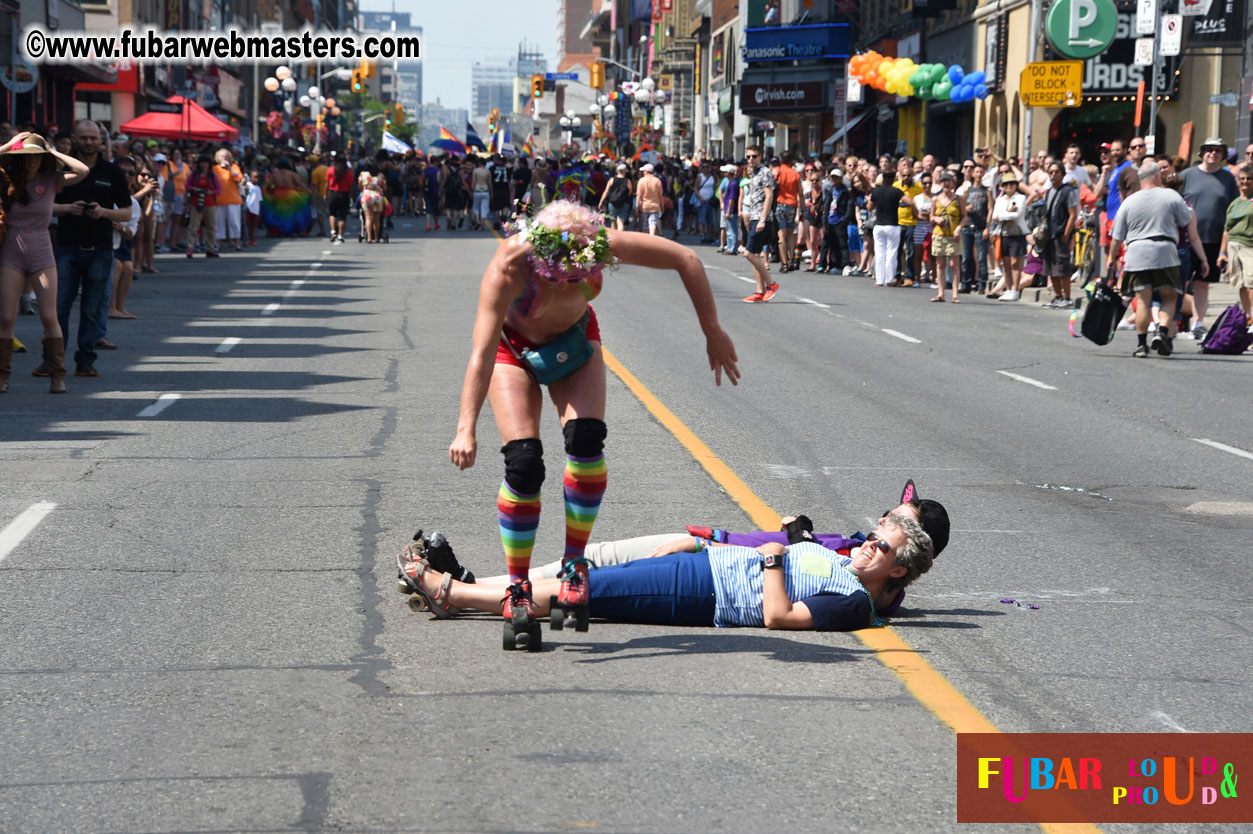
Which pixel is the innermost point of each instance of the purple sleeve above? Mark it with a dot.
(755, 539)
(831, 541)
(839, 612)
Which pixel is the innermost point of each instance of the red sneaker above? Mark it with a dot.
(770, 292)
(754, 298)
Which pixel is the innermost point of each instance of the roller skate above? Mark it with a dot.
(521, 628)
(438, 552)
(409, 582)
(570, 604)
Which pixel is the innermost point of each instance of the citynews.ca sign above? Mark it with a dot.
(804, 95)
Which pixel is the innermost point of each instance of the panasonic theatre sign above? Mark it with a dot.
(815, 41)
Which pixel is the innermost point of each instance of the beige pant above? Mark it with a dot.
(207, 216)
(1240, 264)
(604, 554)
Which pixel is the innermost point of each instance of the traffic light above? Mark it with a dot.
(387, 120)
(399, 114)
(367, 69)
(358, 85)
(493, 120)
(598, 76)
(537, 86)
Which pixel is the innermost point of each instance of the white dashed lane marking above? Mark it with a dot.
(163, 402)
(1037, 383)
(1223, 447)
(20, 527)
(226, 345)
(902, 336)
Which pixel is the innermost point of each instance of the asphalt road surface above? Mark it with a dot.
(200, 630)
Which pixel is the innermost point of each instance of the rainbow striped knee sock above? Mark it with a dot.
(584, 486)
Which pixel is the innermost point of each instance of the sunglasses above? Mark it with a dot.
(873, 539)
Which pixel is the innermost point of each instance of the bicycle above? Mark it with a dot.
(1086, 246)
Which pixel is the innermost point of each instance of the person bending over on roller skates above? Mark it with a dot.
(535, 327)
(930, 514)
(803, 586)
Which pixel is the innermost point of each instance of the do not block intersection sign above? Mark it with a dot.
(1052, 84)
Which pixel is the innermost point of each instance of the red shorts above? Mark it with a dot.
(504, 356)
(1107, 226)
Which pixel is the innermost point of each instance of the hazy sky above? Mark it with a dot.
(456, 34)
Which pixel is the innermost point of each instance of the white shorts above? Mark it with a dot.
(228, 222)
(652, 218)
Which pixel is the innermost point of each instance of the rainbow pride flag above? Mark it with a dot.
(286, 211)
(448, 141)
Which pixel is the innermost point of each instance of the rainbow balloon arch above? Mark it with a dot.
(929, 82)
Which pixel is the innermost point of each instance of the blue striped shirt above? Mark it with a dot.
(809, 570)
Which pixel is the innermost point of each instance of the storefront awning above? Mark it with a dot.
(835, 138)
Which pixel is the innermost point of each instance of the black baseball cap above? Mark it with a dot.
(931, 515)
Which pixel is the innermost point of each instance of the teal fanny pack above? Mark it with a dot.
(561, 357)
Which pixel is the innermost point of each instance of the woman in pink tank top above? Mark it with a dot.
(34, 177)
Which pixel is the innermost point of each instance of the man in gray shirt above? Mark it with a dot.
(1149, 222)
(1209, 188)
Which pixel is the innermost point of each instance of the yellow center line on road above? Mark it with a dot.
(927, 685)
(924, 682)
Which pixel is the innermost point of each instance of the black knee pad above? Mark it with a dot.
(524, 465)
(585, 437)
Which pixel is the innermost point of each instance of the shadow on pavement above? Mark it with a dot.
(918, 618)
(726, 642)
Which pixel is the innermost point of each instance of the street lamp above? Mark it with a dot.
(647, 96)
(568, 123)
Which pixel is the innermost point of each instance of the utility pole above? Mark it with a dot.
(1033, 48)
(1157, 62)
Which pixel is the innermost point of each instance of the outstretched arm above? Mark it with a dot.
(502, 282)
(74, 170)
(658, 253)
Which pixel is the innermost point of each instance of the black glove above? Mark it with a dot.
(800, 529)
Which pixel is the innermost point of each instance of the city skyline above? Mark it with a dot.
(452, 43)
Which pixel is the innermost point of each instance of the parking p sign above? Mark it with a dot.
(1081, 29)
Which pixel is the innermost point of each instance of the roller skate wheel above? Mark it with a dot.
(522, 639)
(556, 617)
(580, 619)
(402, 587)
(417, 604)
(509, 639)
(536, 641)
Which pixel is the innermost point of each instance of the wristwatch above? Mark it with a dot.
(770, 560)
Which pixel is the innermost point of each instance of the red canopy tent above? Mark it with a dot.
(193, 123)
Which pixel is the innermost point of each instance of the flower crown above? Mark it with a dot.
(574, 247)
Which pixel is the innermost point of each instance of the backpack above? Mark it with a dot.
(1104, 312)
(1230, 333)
(618, 192)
